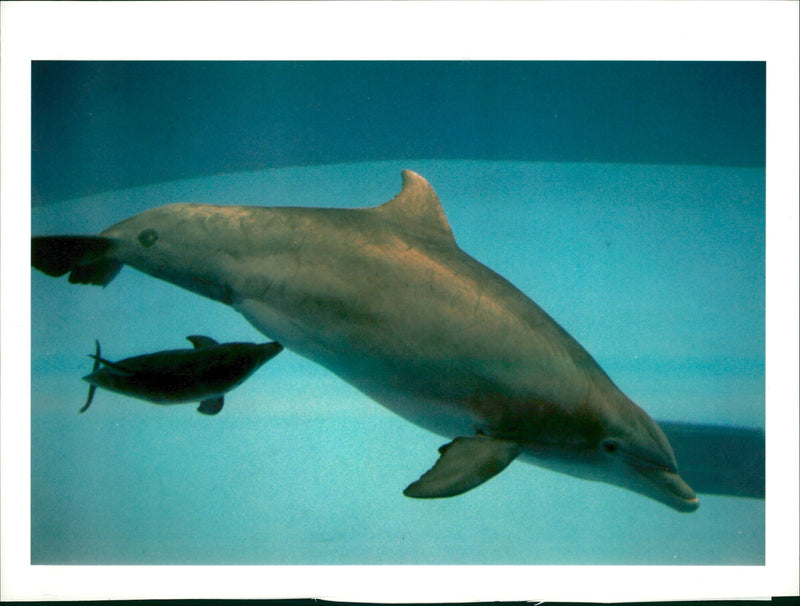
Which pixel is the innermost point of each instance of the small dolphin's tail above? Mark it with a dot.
(82, 256)
(93, 388)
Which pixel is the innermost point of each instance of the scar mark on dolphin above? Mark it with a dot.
(148, 237)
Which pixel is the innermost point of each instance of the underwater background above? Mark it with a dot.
(627, 199)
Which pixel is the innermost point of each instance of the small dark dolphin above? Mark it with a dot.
(175, 376)
(386, 299)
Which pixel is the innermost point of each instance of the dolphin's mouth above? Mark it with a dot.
(663, 475)
(674, 491)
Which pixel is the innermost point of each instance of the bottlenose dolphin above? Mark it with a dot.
(386, 299)
(175, 376)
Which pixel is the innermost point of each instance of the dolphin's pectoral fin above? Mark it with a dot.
(199, 341)
(81, 256)
(464, 464)
(211, 406)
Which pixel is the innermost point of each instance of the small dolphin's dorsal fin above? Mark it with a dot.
(211, 406)
(418, 206)
(464, 464)
(199, 341)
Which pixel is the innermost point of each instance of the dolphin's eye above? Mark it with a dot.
(148, 237)
(611, 446)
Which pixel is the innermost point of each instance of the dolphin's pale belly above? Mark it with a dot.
(384, 383)
(441, 409)
(431, 337)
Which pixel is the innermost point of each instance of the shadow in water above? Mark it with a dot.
(717, 459)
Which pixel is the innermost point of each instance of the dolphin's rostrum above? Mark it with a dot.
(386, 299)
(205, 373)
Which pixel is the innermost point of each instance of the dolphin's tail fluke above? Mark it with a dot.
(93, 388)
(84, 257)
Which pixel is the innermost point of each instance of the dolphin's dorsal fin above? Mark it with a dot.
(418, 207)
(199, 341)
(464, 464)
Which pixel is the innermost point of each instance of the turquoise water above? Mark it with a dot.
(658, 270)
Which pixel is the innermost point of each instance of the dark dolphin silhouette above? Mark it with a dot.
(386, 299)
(205, 373)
